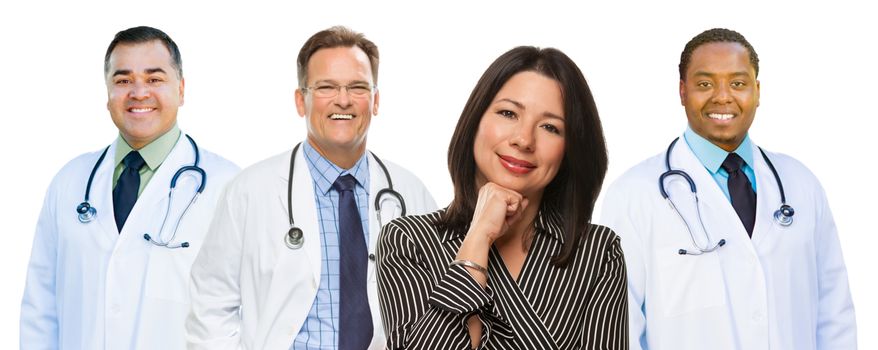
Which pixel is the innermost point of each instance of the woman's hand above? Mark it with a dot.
(497, 209)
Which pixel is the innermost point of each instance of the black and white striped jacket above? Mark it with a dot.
(425, 301)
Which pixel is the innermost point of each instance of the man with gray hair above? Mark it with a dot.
(289, 262)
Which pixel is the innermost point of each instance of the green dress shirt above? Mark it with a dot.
(154, 154)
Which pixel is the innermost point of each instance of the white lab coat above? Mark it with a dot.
(90, 286)
(249, 290)
(786, 288)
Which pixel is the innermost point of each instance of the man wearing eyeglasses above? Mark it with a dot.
(289, 259)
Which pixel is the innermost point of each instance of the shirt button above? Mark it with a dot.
(372, 257)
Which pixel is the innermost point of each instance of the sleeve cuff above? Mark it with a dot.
(459, 293)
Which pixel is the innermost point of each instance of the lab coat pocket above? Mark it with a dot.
(689, 283)
(167, 276)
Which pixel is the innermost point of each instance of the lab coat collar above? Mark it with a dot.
(325, 172)
(719, 217)
(711, 156)
(152, 202)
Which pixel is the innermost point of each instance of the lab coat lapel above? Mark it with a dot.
(102, 196)
(376, 183)
(149, 210)
(767, 197)
(295, 278)
(305, 215)
(390, 208)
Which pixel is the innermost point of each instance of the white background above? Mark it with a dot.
(818, 80)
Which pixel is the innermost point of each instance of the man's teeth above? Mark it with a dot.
(341, 116)
(141, 110)
(720, 116)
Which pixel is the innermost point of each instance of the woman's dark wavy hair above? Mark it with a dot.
(574, 190)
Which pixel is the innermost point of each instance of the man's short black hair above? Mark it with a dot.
(143, 34)
(712, 36)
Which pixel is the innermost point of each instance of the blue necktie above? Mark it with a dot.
(125, 193)
(741, 191)
(355, 319)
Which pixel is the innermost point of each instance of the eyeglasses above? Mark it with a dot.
(330, 90)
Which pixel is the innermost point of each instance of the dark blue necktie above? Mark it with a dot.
(355, 319)
(741, 191)
(125, 193)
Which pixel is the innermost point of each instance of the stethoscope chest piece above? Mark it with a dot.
(784, 215)
(294, 238)
(86, 212)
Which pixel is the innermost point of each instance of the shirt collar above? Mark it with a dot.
(325, 172)
(154, 153)
(711, 156)
(547, 222)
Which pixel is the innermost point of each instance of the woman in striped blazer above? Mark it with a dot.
(513, 262)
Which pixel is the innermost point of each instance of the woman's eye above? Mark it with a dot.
(507, 113)
(551, 128)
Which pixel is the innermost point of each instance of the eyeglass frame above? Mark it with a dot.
(337, 89)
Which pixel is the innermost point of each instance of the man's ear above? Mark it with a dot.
(300, 102)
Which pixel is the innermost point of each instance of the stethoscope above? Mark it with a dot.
(294, 239)
(783, 215)
(87, 212)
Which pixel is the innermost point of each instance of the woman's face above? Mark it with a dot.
(520, 141)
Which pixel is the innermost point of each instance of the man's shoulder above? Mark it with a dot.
(217, 162)
(82, 162)
(795, 176)
(643, 174)
(396, 170)
(786, 162)
(418, 197)
(264, 170)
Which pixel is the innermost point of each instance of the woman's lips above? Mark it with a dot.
(516, 165)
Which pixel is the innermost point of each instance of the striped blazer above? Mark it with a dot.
(425, 301)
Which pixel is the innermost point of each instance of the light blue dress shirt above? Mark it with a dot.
(320, 330)
(712, 157)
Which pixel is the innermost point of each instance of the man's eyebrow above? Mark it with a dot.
(147, 71)
(334, 82)
(155, 70)
(709, 74)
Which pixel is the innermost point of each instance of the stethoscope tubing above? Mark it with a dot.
(87, 213)
(294, 239)
(783, 216)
